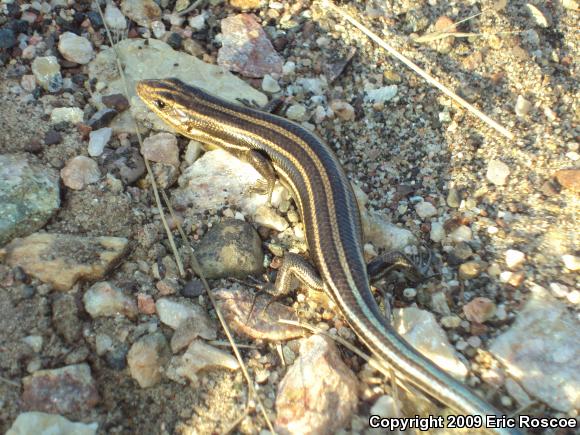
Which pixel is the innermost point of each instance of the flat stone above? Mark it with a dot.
(497, 172)
(421, 330)
(72, 115)
(385, 235)
(61, 259)
(218, 177)
(319, 392)
(98, 140)
(147, 358)
(75, 48)
(79, 172)
(29, 195)
(199, 356)
(143, 12)
(68, 390)
(161, 148)
(425, 210)
(246, 48)
(44, 424)
(114, 17)
(545, 338)
(257, 317)
(231, 248)
(479, 310)
(269, 218)
(174, 312)
(154, 59)
(103, 299)
(200, 325)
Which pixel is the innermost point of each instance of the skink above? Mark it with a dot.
(277, 147)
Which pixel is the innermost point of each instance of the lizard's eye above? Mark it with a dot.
(160, 104)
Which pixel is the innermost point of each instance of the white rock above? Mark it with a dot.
(75, 48)
(571, 5)
(541, 351)
(98, 139)
(497, 172)
(423, 332)
(158, 28)
(559, 290)
(147, 358)
(47, 72)
(141, 11)
(47, 424)
(73, 115)
(540, 19)
(34, 341)
(289, 68)
(514, 258)
(103, 344)
(313, 85)
(571, 262)
(270, 85)
(425, 209)
(161, 148)
(383, 234)
(296, 112)
(386, 407)
(193, 151)
(79, 172)
(269, 218)
(199, 356)
(114, 17)
(381, 95)
(152, 58)
(197, 22)
(437, 232)
(523, 106)
(461, 234)
(574, 297)
(172, 313)
(103, 299)
(216, 178)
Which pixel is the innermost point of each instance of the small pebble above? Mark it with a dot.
(52, 137)
(98, 140)
(75, 48)
(270, 85)
(296, 112)
(497, 172)
(425, 210)
(410, 293)
(523, 106)
(514, 259)
(571, 262)
(80, 171)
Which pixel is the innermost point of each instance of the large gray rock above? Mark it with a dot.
(29, 195)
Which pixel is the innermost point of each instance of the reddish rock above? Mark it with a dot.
(569, 179)
(69, 390)
(319, 393)
(246, 48)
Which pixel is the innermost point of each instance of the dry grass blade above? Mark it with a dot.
(195, 264)
(9, 382)
(430, 79)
